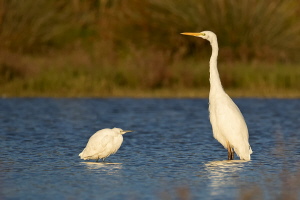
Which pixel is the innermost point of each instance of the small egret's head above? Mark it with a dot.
(207, 35)
(118, 130)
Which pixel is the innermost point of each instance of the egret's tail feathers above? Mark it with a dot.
(245, 157)
(244, 154)
(250, 150)
(82, 156)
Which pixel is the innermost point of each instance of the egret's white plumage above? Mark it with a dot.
(102, 144)
(228, 124)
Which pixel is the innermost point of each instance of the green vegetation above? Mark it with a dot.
(133, 48)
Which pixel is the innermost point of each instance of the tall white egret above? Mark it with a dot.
(102, 144)
(228, 124)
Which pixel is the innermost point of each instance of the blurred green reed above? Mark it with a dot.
(118, 47)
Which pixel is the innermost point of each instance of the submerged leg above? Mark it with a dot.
(97, 160)
(230, 152)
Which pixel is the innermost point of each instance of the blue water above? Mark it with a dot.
(170, 155)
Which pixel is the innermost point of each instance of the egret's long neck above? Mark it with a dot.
(214, 78)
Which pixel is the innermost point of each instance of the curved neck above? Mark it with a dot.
(214, 78)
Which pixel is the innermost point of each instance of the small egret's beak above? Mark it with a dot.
(193, 34)
(123, 132)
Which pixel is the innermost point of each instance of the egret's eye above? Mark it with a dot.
(203, 34)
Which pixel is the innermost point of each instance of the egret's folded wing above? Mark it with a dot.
(96, 145)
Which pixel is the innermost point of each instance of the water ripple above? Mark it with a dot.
(171, 150)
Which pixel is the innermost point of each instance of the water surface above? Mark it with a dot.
(170, 155)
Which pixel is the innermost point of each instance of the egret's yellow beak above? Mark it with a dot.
(123, 132)
(193, 34)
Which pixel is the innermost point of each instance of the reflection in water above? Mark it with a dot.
(109, 168)
(223, 174)
(224, 163)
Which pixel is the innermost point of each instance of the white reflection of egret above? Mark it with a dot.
(109, 168)
(223, 174)
(224, 163)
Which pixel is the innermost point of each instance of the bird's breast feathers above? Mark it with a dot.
(226, 115)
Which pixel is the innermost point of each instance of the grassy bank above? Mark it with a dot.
(72, 76)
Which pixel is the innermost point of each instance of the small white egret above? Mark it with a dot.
(228, 124)
(102, 144)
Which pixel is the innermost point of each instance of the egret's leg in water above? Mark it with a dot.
(230, 152)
